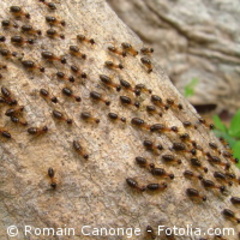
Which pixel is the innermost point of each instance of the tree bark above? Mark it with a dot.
(197, 40)
(94, 191)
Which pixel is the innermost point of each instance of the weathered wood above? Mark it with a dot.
(94, 191)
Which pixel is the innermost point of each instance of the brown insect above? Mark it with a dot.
(86, 116)
(115, 117)
(6, 24)
(168, 158)
(19, 40)
(77, 71)
(208, 184)
(60, 116)
(50, 5)
(37, 131)
(5, 133)
(194, 194)
(229, 214)
(18, 12)
(146, 51)
(156, 186)
(69, 93)
(51, 174)
(170, 103)
(75, 51)
(129, 49)
(82, 38)
(195, 162)
(190, 175)
(134, 184)
(215, 160)
(139, 123)
(221, 177)
(112, 65)
(7, 95)
(53, 21)
(151, 146)
(153, 110)
(46, 95)
(141, 88)
(106, 80)
(31, 66)
(52, 33)
(28, 29)
(127, 101)
(79, 149)
(62, 76)
(147, 63)
(50, 57)
(14, 111)
(235, 200)
(96, 96)
(160, 172)
(116, 51)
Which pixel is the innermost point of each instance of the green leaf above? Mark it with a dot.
(219, 124)
(234, 129)
(189, 88)
(236, 151)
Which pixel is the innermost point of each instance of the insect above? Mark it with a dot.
(221, 177)
(115, 117)
(30, 65)
(19, 40)
(160, 172)
(129, 49)
(139, 123)
(141, 161)
(37, 131)
(150, 232)
(172, 104)
(204, 122)
(128, 101)
(5, 133)
(79, 149)
(77, 71)
(50, 5)
(62, 76)
(116, 51)
(18, 12)
(28, 29)
(134, 184)
(232, 177)
(18, 120)
(217, 161)
(52, 33)
(2, 38)
(6, 53)
(6, 24)
(60, 116)
(147, 63)
(197, 164)
(108, 82)
(69, 93)
(160, 128)
(89, 118)
(139, 88)
(235, 200)
(112, 65)
(146, 51)
(157, 101)
(127, 86)
(194, 194)
(152, 110)
(53, 21)
(98, 97)
(151, 146)
(190, 175)
(167, 158)
(51, 57)
(210, 184)
(14, 111)
(82, 38)
(156, 186)
(230, 215)
(7, 95)
(45, 94)
(75, 51)
(51, 174)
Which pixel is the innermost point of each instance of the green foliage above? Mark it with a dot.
(231, 134)
(189, 88)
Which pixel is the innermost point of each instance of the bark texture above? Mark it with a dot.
(94, 191)
(192, 40)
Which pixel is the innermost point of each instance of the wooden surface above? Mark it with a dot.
(94, 191)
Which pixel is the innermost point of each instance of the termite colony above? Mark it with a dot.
(207, 170)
